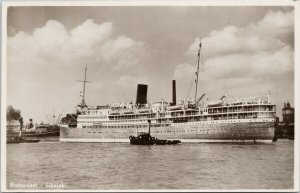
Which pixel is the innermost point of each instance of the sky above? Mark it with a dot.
(246, 51)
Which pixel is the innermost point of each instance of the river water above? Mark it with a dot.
(56, 165)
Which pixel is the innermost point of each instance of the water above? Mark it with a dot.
(122, 166)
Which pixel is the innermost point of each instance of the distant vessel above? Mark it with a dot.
(38, 131)
(43, 130)
(223, 120)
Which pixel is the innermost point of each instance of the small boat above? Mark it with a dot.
(147, 139)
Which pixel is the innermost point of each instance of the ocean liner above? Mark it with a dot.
(198, 120)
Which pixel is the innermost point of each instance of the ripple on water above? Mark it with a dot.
(123, 166)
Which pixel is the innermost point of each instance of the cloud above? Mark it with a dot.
(127, 82)
(267, 34)
(53, 34)
(282, 21)
(182, 71)
(89, 34)
(53, 42)
(254, 65)
(50, 60)
(247, 60)
(184, 75)
(123, 89)
(125, 50)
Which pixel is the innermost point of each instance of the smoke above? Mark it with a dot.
(14, 115)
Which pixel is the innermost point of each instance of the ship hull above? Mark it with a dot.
(214, 131)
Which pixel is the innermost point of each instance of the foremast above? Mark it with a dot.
(197, 73)
(83, 103)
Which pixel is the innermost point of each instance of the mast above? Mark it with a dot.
(197, 73)
(83, 92)
(83, 103)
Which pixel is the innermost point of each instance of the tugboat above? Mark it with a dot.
(147, 139)
(14, 137)
(20, 139)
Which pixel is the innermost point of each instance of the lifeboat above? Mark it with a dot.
(144, 110)
(214, 103)
(127, 112)
(176, 107)
(114, 113)
(236, 102)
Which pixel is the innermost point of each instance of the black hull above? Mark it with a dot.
(33, 134)
(147, 139)
(21, 140)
